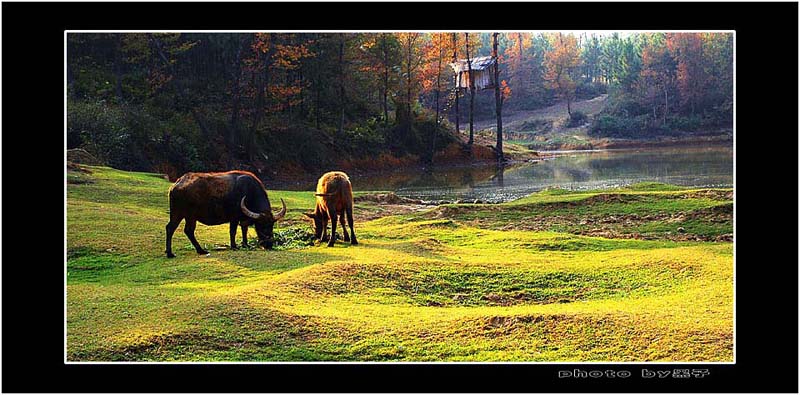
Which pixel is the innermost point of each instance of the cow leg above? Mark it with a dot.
(171, 226)
(324, 229)
(344, 227)
(353, 240)
(189, 230)
(234, 224)
(333, 227)
(244, 236)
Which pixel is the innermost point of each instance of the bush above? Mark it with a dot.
(589, 90)
(684, 123)
(537, 126)
(577, 118)
(370, 136)
(607, 125)
(101, 130)
(129, 137)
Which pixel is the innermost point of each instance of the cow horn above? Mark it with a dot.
(248, 212)
(281, 213)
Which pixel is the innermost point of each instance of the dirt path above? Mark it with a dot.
(512, 121)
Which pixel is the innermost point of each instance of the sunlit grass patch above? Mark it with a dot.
(429, 284)
(456, 283)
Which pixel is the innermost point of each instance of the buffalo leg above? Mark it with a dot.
(171, 226)
(333, 228)
(344, 227)
(234, 224)
(353, 240)
(324, 230)
(244, 236)
(189, 230)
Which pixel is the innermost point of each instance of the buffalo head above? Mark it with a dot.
(264, 223)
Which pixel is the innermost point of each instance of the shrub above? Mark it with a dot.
(369, 135)
(100, 129)
(537, 126)
(607, 125)
(577, 118)
(589, 90)
(684, 123)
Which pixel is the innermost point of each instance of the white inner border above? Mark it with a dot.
(403, 362)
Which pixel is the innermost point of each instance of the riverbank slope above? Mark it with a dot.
(549, 129)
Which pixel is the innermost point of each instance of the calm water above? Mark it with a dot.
(708, 166)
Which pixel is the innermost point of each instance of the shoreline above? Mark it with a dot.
(512, 159)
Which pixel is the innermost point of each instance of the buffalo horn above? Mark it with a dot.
(282, 212)
(248, 212)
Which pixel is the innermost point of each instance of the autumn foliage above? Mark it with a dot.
(210, 101)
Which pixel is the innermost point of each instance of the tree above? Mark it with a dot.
(520, 71)
(437, 46)
(687, 50)
(498, 99)
(383, 49)
(611, 54)
(560, 63)
(410, 45)
(342, 96)
(471, 87)
(718, 50)
(454, 43)
(630, 62)
(658, 68)
(590, 56)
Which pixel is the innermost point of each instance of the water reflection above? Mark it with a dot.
(703, 166)
(710, 166)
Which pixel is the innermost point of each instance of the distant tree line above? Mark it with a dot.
(663, 83)
(174, 102)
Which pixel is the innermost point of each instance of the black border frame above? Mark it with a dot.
(766, 271)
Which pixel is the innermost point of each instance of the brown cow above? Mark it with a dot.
(218, 198)
(334, 198)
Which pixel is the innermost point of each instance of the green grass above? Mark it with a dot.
(559, 142)
(521, 281)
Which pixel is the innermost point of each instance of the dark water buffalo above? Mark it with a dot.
(234, 197)
(334, 198)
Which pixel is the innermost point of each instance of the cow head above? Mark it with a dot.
(264, 223)
(319, 224)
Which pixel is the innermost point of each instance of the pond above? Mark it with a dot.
(702, 166)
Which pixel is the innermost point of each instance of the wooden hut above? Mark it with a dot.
(481, 68)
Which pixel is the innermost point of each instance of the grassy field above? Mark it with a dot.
(637, 274)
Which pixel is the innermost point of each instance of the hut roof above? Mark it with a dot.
(478, 64)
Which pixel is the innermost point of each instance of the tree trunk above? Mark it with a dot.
(385, 81)
(316, 102)
(666, 105)
(118, 69)
(569, 106)
(458, 88)
(517, 79)
(438, 88)
(408, 88)
(261, 102)
(180, 88)
(343, 102)
(655, 117)
(237, 77)
(471, 93)
(498, 100)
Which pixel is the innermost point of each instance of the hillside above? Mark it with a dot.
(637, 274)
(548, 129)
